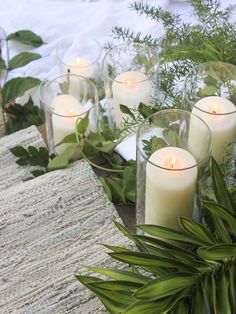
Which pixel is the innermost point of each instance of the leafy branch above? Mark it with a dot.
(19, 116)
(187, 271)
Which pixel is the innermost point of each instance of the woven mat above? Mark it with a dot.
(49, 228)
(10, 173)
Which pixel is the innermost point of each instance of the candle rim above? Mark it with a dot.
(166, 111)
(45, 84)
(137, 82)
(60, 53)
(107, 76)
(214, 113)
(172, 169)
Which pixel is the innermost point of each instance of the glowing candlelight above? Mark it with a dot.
(170, 186)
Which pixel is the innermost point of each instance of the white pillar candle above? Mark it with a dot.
(82, 66)
(129, 89)
(170, 188)
(220, 116)
(66, 109)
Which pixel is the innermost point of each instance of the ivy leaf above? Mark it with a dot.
(70, 138)
(82, 124)
(22, 59)
(127, 111)
(61, 161)
(153, 144)
(208, 90)
(19, 151)
(145, 110)
(26, 37)
(16, 87)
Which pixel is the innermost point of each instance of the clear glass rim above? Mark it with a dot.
(194, 71)
(45, 84)
(94, 61)
(124, 45)
(166, 111)
(215, 114)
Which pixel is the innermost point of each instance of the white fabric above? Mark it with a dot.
(55, 20)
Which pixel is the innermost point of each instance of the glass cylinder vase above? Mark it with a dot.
(79, 56)
(130, 73)
(67, 99)
(172, 166)
(210, 92)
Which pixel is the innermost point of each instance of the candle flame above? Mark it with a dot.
(214, 108)
(129, 83)
(71, 112)
(173, 161)
(78, 61)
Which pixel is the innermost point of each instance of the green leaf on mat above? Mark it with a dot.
(62, 161)
(19, 151)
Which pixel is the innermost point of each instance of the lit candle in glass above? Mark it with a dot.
(220, 116)
(82, 66)
(171, 176)
(66, 111)
(129, 89)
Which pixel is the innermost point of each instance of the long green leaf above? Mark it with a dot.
(198, 302)
(223, 294)
(165, 286)
(16, 87)
(118, 285)
(196, 230)
(176, 252)
(218, 252)
(170, 234)
(22, 59)
(116, 248)
(26, 37)
(145, 259)
(148, 307)
(223, 213)
(222, 194)
(120, 274)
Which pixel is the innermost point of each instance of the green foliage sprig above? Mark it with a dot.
(34, 157)
(187, 271)
(19, 116)
(211, 38)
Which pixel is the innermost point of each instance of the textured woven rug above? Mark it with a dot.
(10, 172)
(49, 228)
